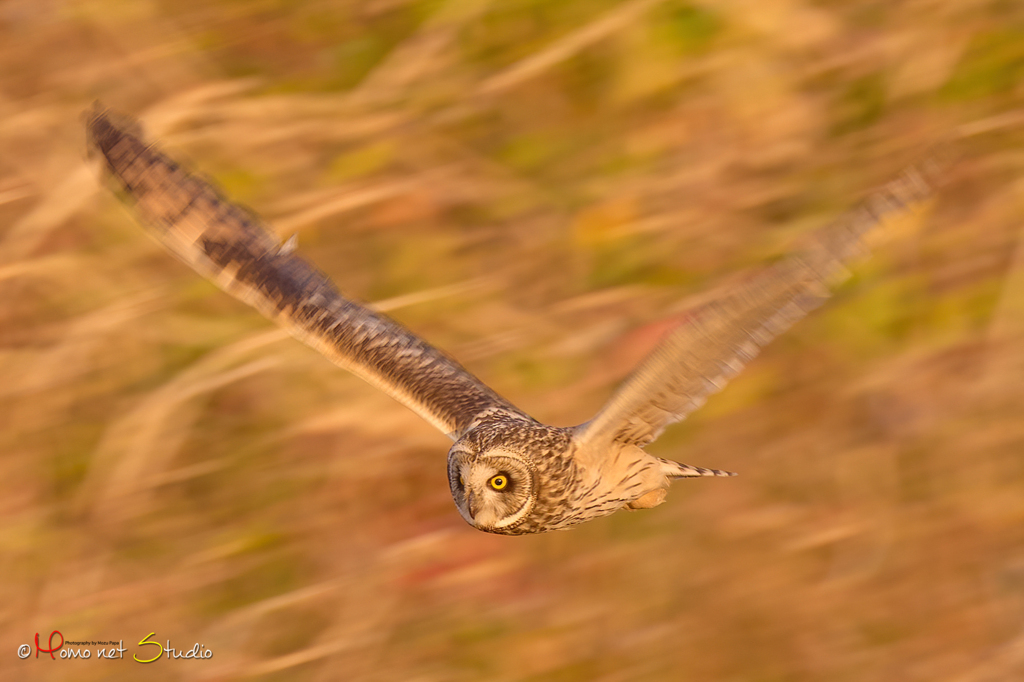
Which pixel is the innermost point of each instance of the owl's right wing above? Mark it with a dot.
(716, 340)
(232, 248)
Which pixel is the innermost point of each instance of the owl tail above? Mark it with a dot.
(679, 470)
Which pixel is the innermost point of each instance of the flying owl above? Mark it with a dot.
(508, 473)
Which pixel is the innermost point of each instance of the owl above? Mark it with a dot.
(508, 473)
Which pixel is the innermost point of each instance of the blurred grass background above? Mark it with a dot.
(535, 187)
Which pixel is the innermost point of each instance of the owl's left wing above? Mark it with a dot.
(716, 340)
(232, 248)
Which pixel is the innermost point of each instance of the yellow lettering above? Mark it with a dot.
(156, 644)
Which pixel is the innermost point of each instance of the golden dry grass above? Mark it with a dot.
(533, 186)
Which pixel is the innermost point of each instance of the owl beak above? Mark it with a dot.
(472, 506)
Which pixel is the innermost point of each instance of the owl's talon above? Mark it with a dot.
(648, 500)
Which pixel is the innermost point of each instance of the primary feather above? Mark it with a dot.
(231, 247)
(719, 338)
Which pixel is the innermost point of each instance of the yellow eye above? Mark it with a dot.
(498, 482)
(462, 481)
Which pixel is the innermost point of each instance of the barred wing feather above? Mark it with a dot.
(713, 344)
(230, 246)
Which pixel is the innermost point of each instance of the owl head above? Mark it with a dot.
(494, 490)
